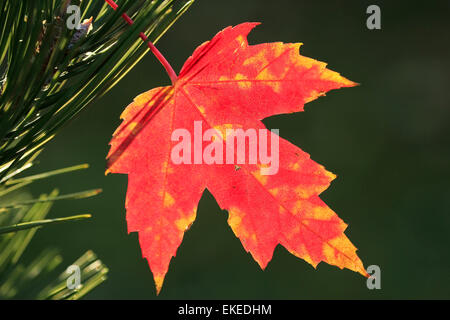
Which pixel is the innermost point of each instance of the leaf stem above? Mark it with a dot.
(172, 74)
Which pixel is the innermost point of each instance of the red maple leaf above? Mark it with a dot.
(229, 84)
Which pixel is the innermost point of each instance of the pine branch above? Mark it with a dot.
(22, 216)
(48, 77)
(48, 74)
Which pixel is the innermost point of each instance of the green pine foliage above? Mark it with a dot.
(48, 74)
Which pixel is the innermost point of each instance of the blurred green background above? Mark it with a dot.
(387, 140)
